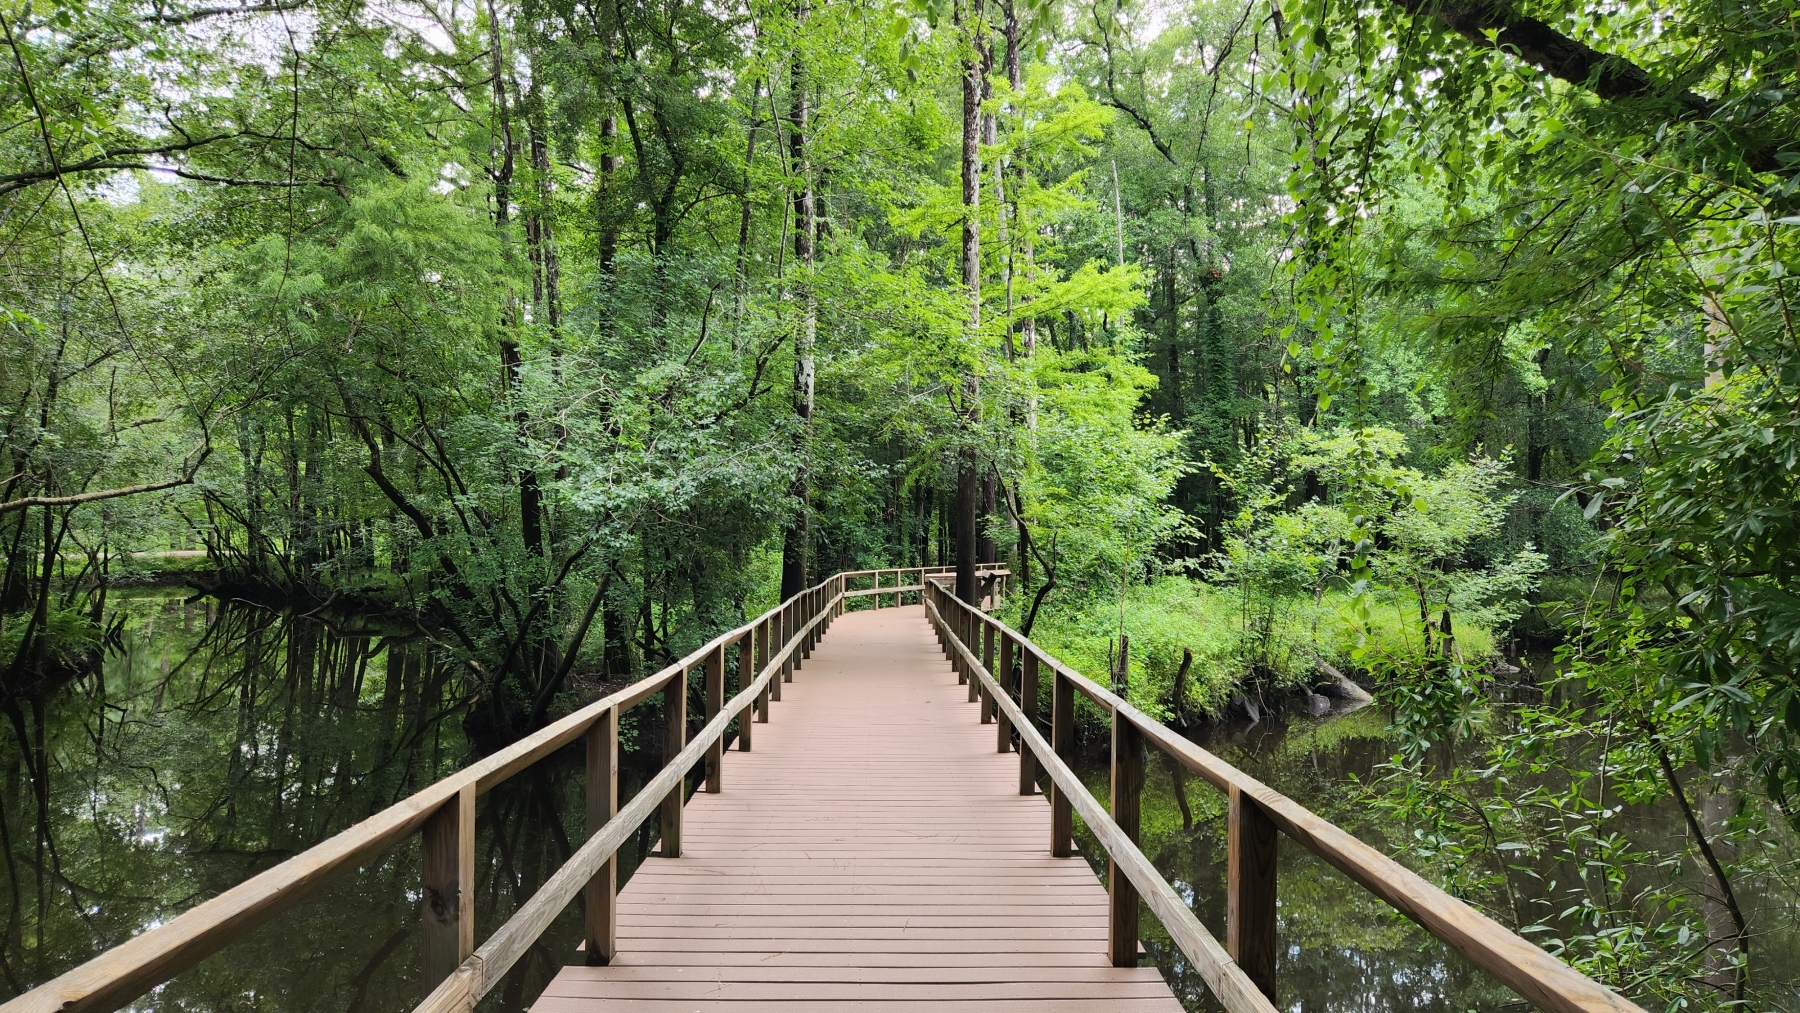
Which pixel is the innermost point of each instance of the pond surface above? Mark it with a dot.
(221, 739)
(1341, 949)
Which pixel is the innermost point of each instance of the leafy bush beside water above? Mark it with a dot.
(1173, 613)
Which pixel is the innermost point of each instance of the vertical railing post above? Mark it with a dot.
(813, 607)
(1250, 890)
(715, 702)
(1127, 787)
(943, 631)
(786, 624)
(965, 632)
(797, 627)
(1028, 702)
(1062, 740)
(938, 598)
(989, 706)
(1004, 676)
(772, 691)
(447, 873)
(674, 740)
(746, 673)
(601, 910)
(946, 603)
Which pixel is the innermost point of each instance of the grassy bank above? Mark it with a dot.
(1256, 646)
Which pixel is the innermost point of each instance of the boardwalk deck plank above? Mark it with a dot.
(871, 853)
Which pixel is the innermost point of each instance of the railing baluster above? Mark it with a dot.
(674, 738)
(447, 843)
(715, 702)
(1250, 890)
(947, 613)
(1004, 676)
(772, 691)
(786, 625)
(988, 707)
(746, 674)
(1062, 740)
(1028, 702)
(796, 620)
(1127, 787)
(809, 607)
(965, 628)
(602, 892)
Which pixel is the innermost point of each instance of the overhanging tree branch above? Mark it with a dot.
(90, 497)
(1492, 24)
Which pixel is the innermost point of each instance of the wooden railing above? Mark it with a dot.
(456, 974)
(1241, 973)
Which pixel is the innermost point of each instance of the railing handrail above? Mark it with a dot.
(1222, 975)
(484, 968)
(125, 972)
(1528, 969)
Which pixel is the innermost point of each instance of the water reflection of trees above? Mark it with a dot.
(217, 740)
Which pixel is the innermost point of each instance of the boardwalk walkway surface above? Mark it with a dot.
(872, 851)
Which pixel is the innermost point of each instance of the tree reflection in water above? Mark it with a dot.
(217, 740)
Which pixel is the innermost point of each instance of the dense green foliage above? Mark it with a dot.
(1277, 339)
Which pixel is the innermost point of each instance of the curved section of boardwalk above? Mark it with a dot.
(872, 851)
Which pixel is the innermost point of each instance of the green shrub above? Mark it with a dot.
(1175, 613)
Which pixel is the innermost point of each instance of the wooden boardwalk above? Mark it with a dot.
(872, 850)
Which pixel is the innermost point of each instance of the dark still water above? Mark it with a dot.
(1342, 950)
(222, 739)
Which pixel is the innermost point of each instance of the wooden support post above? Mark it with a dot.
(1250, 890)
(715, 702)
(946, 603)
(808, 609)
(674, 739)
(602, 892)
(797, 627)
(1062, 740)
(1004, 676)
(746, 674)
(1127, 787)
(447, 843)
(786, 625)
(773, 690)
(990, 708)
(1028, 702)
(966, 633)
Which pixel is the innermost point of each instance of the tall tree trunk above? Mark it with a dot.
(797, 542)
(502, 173)
(987, 551)
(1176, 410)
(740, 276)
(546, 287)
(973, 40)
(971, 158)
(1020, 225)
(609, 166)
